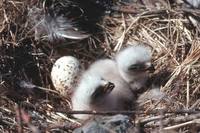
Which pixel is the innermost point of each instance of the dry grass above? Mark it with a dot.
(176, 54)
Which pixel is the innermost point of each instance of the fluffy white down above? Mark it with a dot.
(130, 56)
(81, 97)
(64, 73)
(107, 69)
(116, 100)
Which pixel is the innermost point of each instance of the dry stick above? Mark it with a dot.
(165, 48)
(188, 89)
(154, 105)
(195, 90)
(147, 120)
(175, 120)
(196, 121)
(29, 85)
(122, 37)
(123, 10)
(195, 104)
(127, 112)
(66, 125)
(4, 120)
(161, 11)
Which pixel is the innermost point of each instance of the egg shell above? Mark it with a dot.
(65, 73)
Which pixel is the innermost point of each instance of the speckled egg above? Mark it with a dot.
(65, 73)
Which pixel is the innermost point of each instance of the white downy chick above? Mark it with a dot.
(102, 89)
(133, 63)
(65, 73)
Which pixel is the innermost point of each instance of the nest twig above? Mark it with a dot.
(172, 30)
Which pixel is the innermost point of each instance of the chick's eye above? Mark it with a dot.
(136, 67)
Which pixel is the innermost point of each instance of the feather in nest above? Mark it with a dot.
(67, 19)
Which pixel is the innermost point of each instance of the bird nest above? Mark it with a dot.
(171, 29)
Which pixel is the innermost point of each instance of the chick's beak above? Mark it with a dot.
(103, 90)
(150, 68)
(108, 87)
